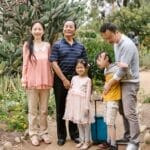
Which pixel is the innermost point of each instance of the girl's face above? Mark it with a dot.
(80, 69)
(102, 62)
(37, 31)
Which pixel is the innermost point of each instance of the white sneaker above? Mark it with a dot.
(132, 147)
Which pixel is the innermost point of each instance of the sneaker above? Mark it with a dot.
(85, 146)
(103, 146)
(46, 138)
(35, 140)
(79, 145)
(132, 146)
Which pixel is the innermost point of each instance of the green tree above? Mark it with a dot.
(15, 21)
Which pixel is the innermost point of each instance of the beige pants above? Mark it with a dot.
(38, 107)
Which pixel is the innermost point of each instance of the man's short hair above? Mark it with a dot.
(108, 26)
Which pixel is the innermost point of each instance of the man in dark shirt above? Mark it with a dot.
(65, 53)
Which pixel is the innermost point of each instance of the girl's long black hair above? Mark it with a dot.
(30, 41)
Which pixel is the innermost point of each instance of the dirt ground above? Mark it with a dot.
(69, 145)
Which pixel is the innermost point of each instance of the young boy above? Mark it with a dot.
(111, 98)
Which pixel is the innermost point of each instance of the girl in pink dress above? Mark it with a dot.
(78, 105)
(37, 79)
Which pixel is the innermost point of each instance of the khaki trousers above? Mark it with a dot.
(38, 111)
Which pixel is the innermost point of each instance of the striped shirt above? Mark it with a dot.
(66, 55)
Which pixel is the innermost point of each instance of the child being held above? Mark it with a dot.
(111, 98)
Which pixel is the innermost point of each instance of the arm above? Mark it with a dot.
(50, 64)
(54, 57)
(25, 65)
(108, 85)
(125, 60)
(88, 94)
(60, 74)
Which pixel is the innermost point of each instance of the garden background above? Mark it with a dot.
(15, 20)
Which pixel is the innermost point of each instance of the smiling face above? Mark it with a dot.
(80, 69)
(69, 29)
(37, 31)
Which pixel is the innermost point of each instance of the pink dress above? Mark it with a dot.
(37, 74)
(78, 104)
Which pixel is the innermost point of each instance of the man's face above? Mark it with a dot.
(69, 29)
(110, 36)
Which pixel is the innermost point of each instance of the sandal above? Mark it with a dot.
(103, 146)
(46, 138)
(35, 140)
(79, 145)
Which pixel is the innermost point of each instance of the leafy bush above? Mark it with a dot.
(147, 99)
(13, 104)
(134, 19)
(94, 44)
(16, 18)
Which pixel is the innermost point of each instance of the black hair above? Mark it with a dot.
(75, 25)
(83, 62)
(108, 26)
(87, 66)
(30, 41)
(106, 55)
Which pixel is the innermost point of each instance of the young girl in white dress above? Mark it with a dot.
(78, 104)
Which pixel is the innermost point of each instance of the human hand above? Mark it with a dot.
(107, 87)
(122, 65)
(24, 85)
(101, 98)
(66, 83)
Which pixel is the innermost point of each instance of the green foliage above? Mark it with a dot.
(17, 18)
(133, 19)
(10, 59)
(13, 104)
(94, 44)
(15, 23)
(147, 99)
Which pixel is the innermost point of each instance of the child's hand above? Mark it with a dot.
(101, 98)
(106, 88)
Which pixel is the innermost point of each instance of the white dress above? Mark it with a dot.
(78, 104)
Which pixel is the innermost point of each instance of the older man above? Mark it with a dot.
(65, 53)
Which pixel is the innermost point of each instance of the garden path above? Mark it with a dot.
(26, 145)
